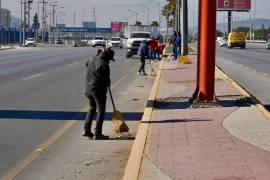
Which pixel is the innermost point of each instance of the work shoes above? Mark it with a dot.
(101, 137)
(90, 135)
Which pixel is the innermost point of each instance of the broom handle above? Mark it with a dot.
(114, 109)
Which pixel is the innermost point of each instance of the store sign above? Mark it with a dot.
(233, 5)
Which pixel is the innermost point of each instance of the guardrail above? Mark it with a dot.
(255, 41)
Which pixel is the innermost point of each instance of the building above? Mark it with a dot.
(89, 24)
(60, 25)
(5, 17)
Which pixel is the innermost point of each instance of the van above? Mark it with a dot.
(237, 39)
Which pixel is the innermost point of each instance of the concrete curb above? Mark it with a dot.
(2, 49)
(133, 166)
(245, 92)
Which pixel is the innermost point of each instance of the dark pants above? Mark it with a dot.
(142, 59)
(175, 54)
(96, 102)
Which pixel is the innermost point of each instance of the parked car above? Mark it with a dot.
(59, 41)
(237, 39)
(115, 42)
(268, 45)
(30, 42)
(99, 41)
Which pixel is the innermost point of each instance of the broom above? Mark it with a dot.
(118, 122)
(152, 71)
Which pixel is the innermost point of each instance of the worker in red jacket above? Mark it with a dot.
(153, 46)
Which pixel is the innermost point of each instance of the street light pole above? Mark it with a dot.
(159, 13)
(148, 16)
(136, 14)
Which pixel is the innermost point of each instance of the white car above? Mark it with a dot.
(99, 41)
(30, 42)
(115, 42)
(222, 42)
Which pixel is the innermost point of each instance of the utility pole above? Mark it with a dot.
(53, 14)
(44, 23)
(94, 13)
(24, 20)
(229, 22)
(254, 18)
(184, 27)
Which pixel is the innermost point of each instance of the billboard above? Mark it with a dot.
(233, 5)
(116, 26)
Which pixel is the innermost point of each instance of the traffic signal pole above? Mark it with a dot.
(207, 51)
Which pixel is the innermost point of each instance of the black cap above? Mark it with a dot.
(108, 54)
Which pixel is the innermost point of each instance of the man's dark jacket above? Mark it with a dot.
(98, 76)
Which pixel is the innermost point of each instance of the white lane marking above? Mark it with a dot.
(73, 64)
(32, 77)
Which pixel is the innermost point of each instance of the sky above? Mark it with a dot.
(110, 10)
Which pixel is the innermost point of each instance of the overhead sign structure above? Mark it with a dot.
(78, 30)
(116, 26)
(233, 5)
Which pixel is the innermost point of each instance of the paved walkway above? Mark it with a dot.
(230, 141)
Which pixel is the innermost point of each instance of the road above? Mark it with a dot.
(249, 67)
(41, 90)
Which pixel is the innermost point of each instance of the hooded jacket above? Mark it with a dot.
(98, 75)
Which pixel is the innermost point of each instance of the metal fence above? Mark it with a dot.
(14, 35)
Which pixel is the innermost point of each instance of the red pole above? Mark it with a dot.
(207, 52)
(199, 46)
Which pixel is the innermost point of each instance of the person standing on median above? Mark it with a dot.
(97, 82)
(143, 52)
(172, 42)
(178, 44)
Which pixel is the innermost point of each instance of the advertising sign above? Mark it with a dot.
(116, 26)
(233, 5)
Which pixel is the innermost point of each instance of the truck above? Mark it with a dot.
(135, 35)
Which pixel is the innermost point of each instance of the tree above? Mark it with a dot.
(36, 24)
(154, 23)
(138, 23)
(170, 10)
(220, 34)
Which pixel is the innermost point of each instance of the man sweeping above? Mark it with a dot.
(97, 83)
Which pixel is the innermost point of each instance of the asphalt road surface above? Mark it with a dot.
(40, 90)
(250, 67)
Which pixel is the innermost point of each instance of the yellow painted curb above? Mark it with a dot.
(133, 166)
(245, 93)
(184, 60)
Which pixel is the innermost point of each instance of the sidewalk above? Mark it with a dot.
(174, 141)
